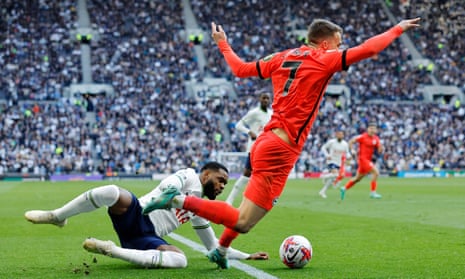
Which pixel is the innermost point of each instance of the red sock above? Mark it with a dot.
(227, 237)
(342, 171)
(373, 185)
(339, 178)
(218, 212)
(349, 184)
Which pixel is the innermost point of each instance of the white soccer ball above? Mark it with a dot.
(295, 251)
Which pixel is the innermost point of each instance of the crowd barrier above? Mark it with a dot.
(160, 176)
(74, 177)
(404, 174)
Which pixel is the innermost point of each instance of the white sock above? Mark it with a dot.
(328, 183)
(325, 176)
(237, 188)
(150, 258)
(95, 198)
(223, 250)
(178, 201)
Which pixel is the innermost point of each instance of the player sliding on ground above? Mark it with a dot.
(300, 77)
(141, 236)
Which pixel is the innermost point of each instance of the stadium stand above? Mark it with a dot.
(151, 124)
(441, 38)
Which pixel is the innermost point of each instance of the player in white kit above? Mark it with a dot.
(252, 124)
(336, 151)
(141, 236)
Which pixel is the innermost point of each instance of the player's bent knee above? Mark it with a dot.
(105, 195)
(243, 227)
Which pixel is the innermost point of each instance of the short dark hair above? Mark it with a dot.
(372, 124)
(214, 166)
(263, 94)
(321, 29)
(262, 91)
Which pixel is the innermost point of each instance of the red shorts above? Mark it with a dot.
(272, 160)
(365, 166)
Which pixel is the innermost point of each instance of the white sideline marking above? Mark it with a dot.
(252, 271)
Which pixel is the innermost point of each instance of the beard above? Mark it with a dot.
(209, 190)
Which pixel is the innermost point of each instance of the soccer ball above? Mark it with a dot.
(295, 251)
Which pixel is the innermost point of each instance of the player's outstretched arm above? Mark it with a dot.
(238, 67)
(376, 44)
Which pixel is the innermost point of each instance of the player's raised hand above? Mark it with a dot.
(407, 24)
(218, 33)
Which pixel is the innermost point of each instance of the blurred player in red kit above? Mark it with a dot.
(369, 143)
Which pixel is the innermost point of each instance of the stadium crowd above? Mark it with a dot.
(441, 39)
(151, 124)
(270, 27)
(38, 55)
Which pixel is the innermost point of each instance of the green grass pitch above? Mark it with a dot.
(417, 230)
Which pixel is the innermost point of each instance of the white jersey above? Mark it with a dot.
(254, 120)
(334, 149)
(187, 181)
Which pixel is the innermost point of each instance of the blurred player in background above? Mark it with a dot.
(335, 150)
(252, 124)
(141, 235)
(369, 143)
(299, 77)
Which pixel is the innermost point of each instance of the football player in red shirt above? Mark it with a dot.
(368, 143)
(299, 77)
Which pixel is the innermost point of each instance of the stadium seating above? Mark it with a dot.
(152, 125)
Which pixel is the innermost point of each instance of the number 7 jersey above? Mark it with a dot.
(300, 77)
